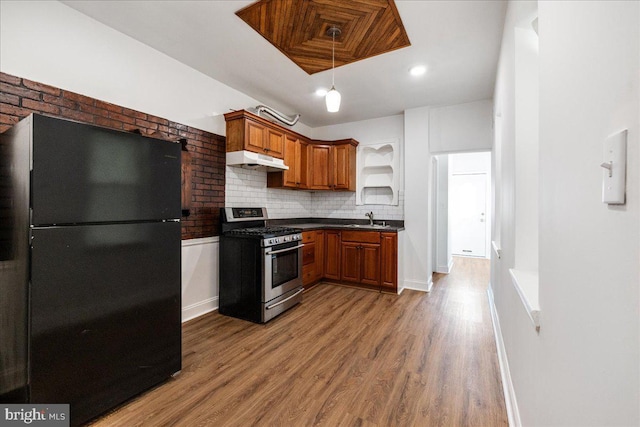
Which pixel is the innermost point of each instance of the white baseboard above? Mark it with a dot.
(419, 285)
(513, 414)
(198, 309)
(445, 269)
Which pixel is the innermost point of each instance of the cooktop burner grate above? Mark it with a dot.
(260, 231)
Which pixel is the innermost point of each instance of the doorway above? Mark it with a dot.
(467, 210)
(462, 207)
(470, 203)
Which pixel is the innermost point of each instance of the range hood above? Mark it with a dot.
(251, 160)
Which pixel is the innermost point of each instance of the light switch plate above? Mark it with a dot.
(615, 172)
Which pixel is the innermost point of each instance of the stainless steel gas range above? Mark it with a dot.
(260, 266)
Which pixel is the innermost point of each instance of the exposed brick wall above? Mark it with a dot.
(20, 97)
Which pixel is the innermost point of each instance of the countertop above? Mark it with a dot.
(339, 224)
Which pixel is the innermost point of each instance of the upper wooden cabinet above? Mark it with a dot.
(295, 156)
(344, 166)
(313, 165)
(274, 143)
(246, 131)
(333, 165)
(320, 167)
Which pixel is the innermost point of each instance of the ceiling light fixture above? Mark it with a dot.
(333, 96)
(418, 70)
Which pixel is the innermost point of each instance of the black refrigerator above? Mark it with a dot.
(90, 264)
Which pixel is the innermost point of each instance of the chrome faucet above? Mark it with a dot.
(370, 216)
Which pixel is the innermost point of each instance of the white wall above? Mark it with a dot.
(443, 260)
(49, 42)
(418, 259)
(200, 288)
(582, 368)
(462, 127)
(526, 145)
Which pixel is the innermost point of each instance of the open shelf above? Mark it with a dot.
(377, 174)
(377, 195)
(382, 156)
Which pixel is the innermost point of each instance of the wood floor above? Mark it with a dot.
(344, 357)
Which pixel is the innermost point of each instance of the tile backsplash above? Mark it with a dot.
(343, 205)
(247, 187)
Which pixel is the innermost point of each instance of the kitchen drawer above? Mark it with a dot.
(308, 274)
(361, 236)
(308, 236)
(309, 254)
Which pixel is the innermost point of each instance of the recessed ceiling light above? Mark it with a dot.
(321, 92)
(418, 70)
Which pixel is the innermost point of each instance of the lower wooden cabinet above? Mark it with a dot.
(361, 263)
(361, 257)
(312, 257)
(367, 258)
(350, 265)
(332, 255)
(370, 261)
(319, 256)
(389, 261)
(308, 264)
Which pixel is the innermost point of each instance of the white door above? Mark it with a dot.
(467, 212)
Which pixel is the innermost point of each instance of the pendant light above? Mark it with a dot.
(333, 96)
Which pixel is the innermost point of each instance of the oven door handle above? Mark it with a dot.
(269, 307)
(285, 250)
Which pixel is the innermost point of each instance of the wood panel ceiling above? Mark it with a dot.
(298, 28)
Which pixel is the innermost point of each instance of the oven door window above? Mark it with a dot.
(284, 266)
